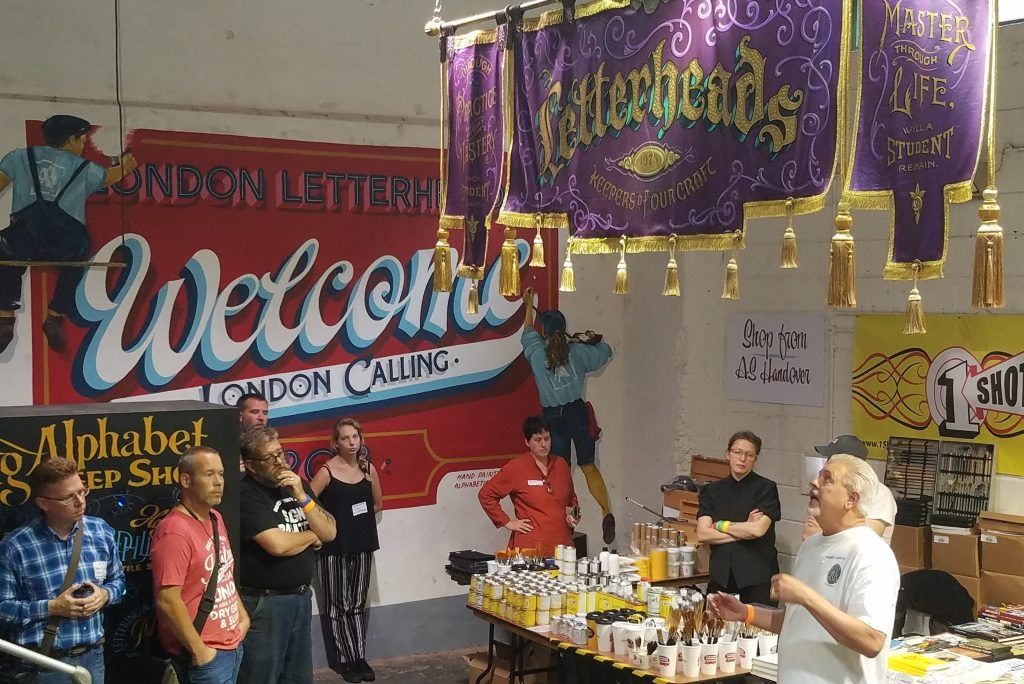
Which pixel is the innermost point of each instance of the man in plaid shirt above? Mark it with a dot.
(33, 561)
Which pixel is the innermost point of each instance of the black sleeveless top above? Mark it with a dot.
(352, 508)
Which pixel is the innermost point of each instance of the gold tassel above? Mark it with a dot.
(987, 289)
(842, 268)
(789, 240)
(732, 280)
(473, 303)
(671, 288)
(731, 289)
(442, 263)
(621, 275)
(915, 310)
(568, 283)
(538, 245)
(508, 283)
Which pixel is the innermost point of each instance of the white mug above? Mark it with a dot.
(708, 659)
(768, 643)
(727, 656)
(667, 660)
(746, 650)
(690, 657)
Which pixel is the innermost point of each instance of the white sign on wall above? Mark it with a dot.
(776, 358)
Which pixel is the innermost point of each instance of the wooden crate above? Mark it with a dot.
(684, 502)
(704, 469)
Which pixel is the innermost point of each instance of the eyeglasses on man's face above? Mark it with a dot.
(278, 455)
(69, 499)
(738, 453)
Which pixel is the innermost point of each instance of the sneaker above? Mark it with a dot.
(6, 332)
(53, 328)
(365, 670)
(608, 528)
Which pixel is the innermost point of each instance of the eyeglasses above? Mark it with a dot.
(547, 483)
(278, 455)
(69, 499)
(744, 454)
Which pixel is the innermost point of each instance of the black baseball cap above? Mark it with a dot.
(843, 444)
(65, 125)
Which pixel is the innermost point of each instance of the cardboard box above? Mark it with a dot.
(1002, 552)
(911, 546)
(956, 554)
(476, 663)
(998, 588)
(1001, 522)
(704, 469)
(688, 526)
(684, 502)
(973, 587)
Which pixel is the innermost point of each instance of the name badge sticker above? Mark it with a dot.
(99, 571)
(535, 483)
(359, 508)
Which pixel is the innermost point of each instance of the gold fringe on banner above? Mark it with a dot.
(508, 283)
(789, 240)
(473, 302)
(442, 262)
(568, 283)
(842, 268)
(987, 290)
(671, 288)
(915, 309)
(621, 275)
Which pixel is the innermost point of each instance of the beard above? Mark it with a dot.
(813, 511)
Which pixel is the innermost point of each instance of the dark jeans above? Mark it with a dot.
(223, 669)
(571, 424)
(278, 646)
(91, 660)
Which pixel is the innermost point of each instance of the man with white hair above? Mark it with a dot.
(841, 598)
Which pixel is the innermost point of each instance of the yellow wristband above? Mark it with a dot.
(725, 525)
(750, 615)
(310, 505)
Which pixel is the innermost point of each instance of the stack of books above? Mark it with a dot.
(766, 667)
(991, 630)
(915, 664)
(1007, 614)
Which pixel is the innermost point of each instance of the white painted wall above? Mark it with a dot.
(363, 73)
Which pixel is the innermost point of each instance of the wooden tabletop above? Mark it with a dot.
(545, 639)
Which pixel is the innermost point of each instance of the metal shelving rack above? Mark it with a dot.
(910, 474)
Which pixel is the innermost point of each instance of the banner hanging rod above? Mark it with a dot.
(436, 28)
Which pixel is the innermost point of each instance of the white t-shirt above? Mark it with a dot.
(855, 571)
(883, 507)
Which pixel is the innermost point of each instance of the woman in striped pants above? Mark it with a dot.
(348, 487)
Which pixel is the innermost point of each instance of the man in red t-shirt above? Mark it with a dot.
(183, 561)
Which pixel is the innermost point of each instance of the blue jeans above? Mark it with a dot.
(279, 645)
(571, 424)
(223, 669)
(91, 660)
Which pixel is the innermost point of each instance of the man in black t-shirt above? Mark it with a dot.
(736, 517)
(282, 525)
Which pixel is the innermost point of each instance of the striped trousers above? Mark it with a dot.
(344, 583)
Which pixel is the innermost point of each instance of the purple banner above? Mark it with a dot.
(475, 141)
(685, 121)
(924, 78)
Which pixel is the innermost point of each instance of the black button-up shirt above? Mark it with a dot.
(754, 561)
